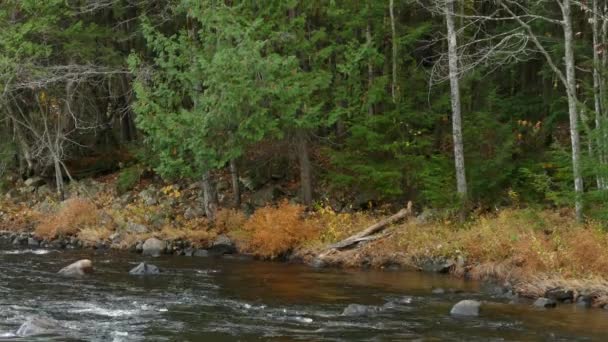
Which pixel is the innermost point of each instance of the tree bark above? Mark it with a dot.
(236, 188)
(597, 93)
(370, 67)
(394, 46)
(305, 167)
(461, 181)
(572, 104)
(210, 199)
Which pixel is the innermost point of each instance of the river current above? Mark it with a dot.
(235, 299)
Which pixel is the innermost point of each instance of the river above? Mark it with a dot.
(232, 299)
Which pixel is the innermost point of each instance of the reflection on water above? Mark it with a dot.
(225, 300)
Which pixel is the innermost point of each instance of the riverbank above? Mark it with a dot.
(527, 252)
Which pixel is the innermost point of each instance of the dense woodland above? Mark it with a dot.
(460, 105)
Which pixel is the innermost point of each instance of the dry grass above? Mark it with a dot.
(199, 237)
(75, 214)
(92, 235)
(229, 220)
(272, 231)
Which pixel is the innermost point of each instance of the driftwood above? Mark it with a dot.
(368, 233)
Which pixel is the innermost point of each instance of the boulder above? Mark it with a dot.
(189, 252)
(34, 181)
(436, 265)
(33, 242)
(266, 195)
(222, 245)
(200, 253)
(149, 196)
(77, 269)
(193, 212)
(466, 307)
(438, 290)
(317, 263)
(584, 301)
(545, 303)
(353, 310)
(136, 228)
(154, 247)
(144, 269)
(34, 326)
(559, 294)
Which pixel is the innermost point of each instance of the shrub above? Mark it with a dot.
(273, 231)
(92, 235)
(75, 214)
(128, 179)
(229, 220)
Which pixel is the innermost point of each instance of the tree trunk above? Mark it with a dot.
(572, 110)
(305, 168)
(210, 200)
(394, 57)
(370, 67)
(461, 181)
(597, 94)
(236, 188)
(58, 178)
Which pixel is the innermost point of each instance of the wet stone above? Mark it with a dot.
(466, 307)
(545, 303)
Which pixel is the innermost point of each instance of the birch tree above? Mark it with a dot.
(461, 180)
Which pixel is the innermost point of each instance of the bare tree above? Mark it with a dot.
(394, 51)
(461, 180)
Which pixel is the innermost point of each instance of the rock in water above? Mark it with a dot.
(144, 269)
(222, 245)
(153, 247)
(545, 303)
(359, 310)
(79, 268)
(466, 307)
(37, 326)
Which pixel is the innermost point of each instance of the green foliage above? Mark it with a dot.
(128, 178)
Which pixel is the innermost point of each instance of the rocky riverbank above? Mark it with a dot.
(529, 254)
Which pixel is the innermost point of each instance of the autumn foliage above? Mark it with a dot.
(75, 214)
(273, 231)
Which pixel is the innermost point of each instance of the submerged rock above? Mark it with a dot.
(79, 268)
(466, 307)
(560, 294)
(37, 326)
(154, 247)
(436, 265)
(545, 303)
(144, 269)
(359, 310)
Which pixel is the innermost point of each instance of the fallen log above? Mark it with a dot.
(366, 234)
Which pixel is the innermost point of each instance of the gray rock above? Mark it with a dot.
(436, 265)
(77, 269)
(584, 301)
(466, 307)
(353, 310)
(34, 326)
(545, 303)
(317, 263)
(189, 252)
(438, 290)
(139, 247)
(33, 242)
(154, 247)
(34, 181)
(201, 253)
(192, 213)
(136, 228)
(222, 245)
(144, 269)
(560, 294)
(149, 196)
(266, 195)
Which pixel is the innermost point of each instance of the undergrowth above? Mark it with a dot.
(73, 215)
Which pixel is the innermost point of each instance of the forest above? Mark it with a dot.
(464, 106)
(466, 137)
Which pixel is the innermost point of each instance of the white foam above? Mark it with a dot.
(27, 251)
(100, 311)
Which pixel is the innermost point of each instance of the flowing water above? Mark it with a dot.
(229, 299)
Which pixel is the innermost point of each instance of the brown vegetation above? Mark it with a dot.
(75, 214)
(272, 231)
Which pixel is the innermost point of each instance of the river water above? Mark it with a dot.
(230, 299)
